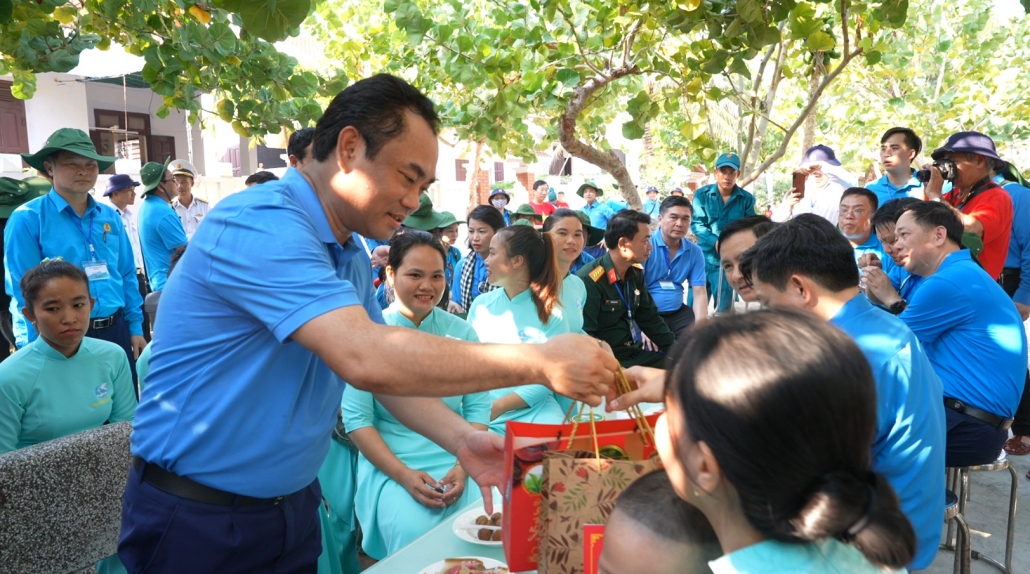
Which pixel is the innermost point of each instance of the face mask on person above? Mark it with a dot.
(499, 203)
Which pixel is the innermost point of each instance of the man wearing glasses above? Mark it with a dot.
(857, 206)
(160, 229)
(68, 223)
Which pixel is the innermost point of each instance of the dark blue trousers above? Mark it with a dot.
(165, 534)
(971, 441)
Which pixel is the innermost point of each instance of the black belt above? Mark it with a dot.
(183, 487)
(1000, 423)
(102, 323)
(671, 313)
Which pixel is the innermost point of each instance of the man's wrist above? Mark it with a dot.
(898, 307)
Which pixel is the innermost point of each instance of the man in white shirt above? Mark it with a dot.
(191, 209)
(825, 183)
(121, 192)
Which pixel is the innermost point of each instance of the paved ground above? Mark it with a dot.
(987, 514)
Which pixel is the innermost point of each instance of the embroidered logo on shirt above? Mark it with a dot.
(101, 392)
(532, 335)
(612, 277)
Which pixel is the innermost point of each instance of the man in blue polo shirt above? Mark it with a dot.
(716, 205)
(970, 329)
(651, 206)
(673, 262)
(898, 149)
(857, 207)
(598, 211)
(806, 264)
(271, 312)
(160, 228)
(69, 223)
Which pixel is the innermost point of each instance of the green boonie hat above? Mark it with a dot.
(594, 234)
(70, 140)
(15, 192)
(447, 219)
(424, 218)
(151, 175)
(579, 192)
(523, 222)
(973, 243)
(526, 211)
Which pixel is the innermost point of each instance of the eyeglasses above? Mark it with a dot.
(855, 212)
(167, 181)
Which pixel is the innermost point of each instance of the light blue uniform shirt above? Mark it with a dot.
(573, 298)
(599, 214)
(1019, 242)
(453, 259)
(160, 233)
(580, 261)
(972, 334)
(665, 277)
(478, 278)
(830, 556)
(498, 319)
(885, 190)
(896, 274)
(389, 516)
(617, 204)
(48, 227)
(908, 449)
(231, 400)
(711, 215)
(652, 207)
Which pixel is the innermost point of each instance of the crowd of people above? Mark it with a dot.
(268, 426)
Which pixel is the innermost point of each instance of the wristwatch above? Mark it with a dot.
(898, 307)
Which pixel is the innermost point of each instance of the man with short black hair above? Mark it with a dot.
(619, 308)
(274, 307)
(298, 149)
(981, 205)
(735, 239)
(715, 206)
(673, 262)
(259, 178)
(857, 206)
(969, 327)
(879, 285)
(538, 198)
(898, 150)
(806, 264)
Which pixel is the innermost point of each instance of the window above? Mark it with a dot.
(127, 136)
(14, 135)
(498, 171)
(461, 169)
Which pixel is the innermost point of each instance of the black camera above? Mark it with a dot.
(946, 167)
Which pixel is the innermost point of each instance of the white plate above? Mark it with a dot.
(438, 567)
(469, 518)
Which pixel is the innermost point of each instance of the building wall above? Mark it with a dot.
(59, 102)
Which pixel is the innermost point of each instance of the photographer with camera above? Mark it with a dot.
(967, 160)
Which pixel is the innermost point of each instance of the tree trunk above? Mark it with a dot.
(606, 160)
(474, 175)
(808, 139)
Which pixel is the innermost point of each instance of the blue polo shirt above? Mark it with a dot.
(48, 227)
(665, 277)
(580, 261)
(711, 215)
(972, 333)
(617, 204)
(653, 208)
(478, 277)
(1019, 242)
(886, 191)
(908, 449)
(873, 244)
(231, 400)
(599, 214)
(160, 233)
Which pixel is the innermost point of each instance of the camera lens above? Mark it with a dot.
(923, 175)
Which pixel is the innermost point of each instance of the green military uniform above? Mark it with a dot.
(607, 312)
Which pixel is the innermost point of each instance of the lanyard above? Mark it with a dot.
(668, 264)
(629, 310)
(978, 188)
(89, 238)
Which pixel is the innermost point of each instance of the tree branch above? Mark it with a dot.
(579, 44)
(844, 24)
(606, 160)
(800, 119)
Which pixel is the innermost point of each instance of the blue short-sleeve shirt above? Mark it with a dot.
(160, 233)
(231, 400)
(972, 334)
(886, 191)
(893, 271)
(908, 449)
(599, 213)
(1019, 242)
(665, 276)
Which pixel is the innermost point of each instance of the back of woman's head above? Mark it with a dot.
(538, 251)
(558, 215)
(35, 278)
(787, 404)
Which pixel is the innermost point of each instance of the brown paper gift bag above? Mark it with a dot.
(579, 489)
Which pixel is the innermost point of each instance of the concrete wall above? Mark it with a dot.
(59, 102)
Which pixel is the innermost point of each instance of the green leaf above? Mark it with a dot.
(272, 20)
(896, 12)
(873, 58)
(223, 40)
(750, 10)
(803, 21)
(632, 130)
(6, 11)
(568, 76)
(820, 42)
(63, 61)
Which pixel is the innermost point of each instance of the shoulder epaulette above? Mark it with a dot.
(597, 273)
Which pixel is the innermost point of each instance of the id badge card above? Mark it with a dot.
(635, 332)
(96, 270)
(667, 285)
